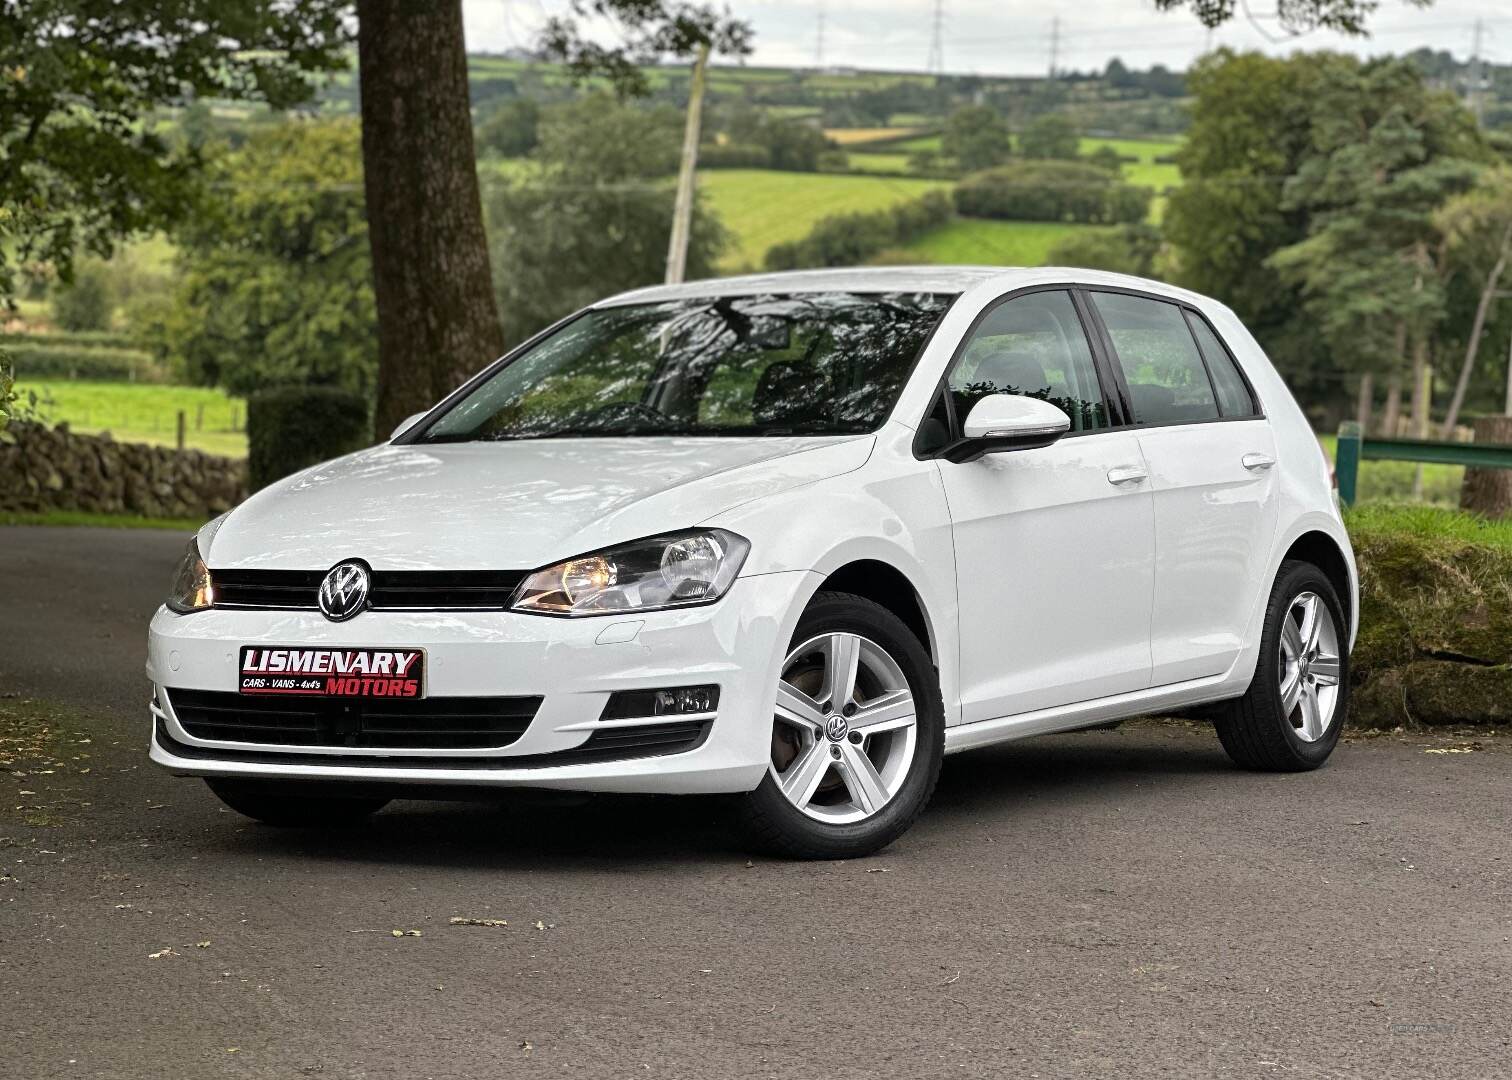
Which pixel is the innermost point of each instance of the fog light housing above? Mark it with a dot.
(674, 701)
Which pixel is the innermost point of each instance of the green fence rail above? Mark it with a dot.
(1354, 448)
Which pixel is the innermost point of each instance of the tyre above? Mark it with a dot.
(1290, 719)
(857, 739)
(295, 805)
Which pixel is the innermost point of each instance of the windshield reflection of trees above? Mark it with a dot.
(825, 363)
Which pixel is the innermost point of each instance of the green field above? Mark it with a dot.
(1146, 172)
(879, 163)
(976, 241)
(137, 412)
(762, 208)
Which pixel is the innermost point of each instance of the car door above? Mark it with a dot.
(1054, 546)
(1211, 457)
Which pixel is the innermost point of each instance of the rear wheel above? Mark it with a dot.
(295, 805)
(1290, 718)
(857, 737)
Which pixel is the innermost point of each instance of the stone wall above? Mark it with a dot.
(45, 468)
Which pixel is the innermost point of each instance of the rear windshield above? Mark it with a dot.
(807, 363)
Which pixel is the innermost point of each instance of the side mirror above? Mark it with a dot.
(404, 425)
(1001, 422)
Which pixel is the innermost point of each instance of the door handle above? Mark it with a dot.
(1127, 474)
(1257, 462)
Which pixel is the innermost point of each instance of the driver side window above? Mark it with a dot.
(1032, 345)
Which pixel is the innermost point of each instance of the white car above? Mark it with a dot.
(793, 536)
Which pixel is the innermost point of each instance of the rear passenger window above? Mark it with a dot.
(1168, 383)
(1032, 345)
(1234, 397)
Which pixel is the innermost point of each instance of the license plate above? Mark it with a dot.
(321, 672)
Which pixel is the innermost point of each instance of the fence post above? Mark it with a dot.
(181, 426)
(1347, 461)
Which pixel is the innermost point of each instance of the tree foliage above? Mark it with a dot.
(1385, 152)
(651, 31)
(1308, 204)
(511, 130)
(1293, 16)
(275, 286)
(977, 137)
(1128, 249)
(579, 225)
(1050, 136)
(82, 161)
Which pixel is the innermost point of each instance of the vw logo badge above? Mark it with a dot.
(344, 592)
(837, 728)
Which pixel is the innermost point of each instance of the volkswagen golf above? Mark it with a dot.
(791, 538)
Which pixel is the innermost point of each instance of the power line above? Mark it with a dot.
(936, 64)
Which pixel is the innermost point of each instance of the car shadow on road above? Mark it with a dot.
(998, 786)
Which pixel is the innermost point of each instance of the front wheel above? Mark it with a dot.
(298, 805)
(1290, 718)
(857, 738)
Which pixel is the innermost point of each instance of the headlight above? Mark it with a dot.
(646, 575)
(191, 589)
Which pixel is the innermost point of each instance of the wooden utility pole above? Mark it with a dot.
(1508, 409)
(682, 213)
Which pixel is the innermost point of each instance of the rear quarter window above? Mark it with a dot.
(1234, 396)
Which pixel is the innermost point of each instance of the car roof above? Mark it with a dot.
(891, 279)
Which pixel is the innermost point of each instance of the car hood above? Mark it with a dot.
(509, 505)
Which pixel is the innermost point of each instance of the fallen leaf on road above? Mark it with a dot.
(539, 925)
(201, 944)
(879, 870)
(1472, 748)
(525, 1045)
(405, 933)
(159, 955)
(459, 920)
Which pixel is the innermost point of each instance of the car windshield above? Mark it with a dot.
(807, 363)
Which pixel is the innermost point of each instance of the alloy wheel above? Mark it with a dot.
(1309, 666)
(846, 728)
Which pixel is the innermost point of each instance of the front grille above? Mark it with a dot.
(606, 745)
(439, 723)
(392, 590)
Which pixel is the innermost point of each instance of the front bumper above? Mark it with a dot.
(573, 665)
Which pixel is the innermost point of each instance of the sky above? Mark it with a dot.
(1013, 37)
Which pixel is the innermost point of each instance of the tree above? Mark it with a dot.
(436, 316)
(431, 278)
(85, 303)
(565, 235)
(595, 139)
(511, 130)
(275, 286)
(83, 162)
(1385, 152)
(1050, 136)
(1477, 231)
(977, 138)
(1294, 16)
(1339, 165)
(1128, 249)
(1118, 76)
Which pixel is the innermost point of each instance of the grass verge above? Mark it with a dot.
(99, 521)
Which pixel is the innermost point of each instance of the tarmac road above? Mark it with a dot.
(1110, 903)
